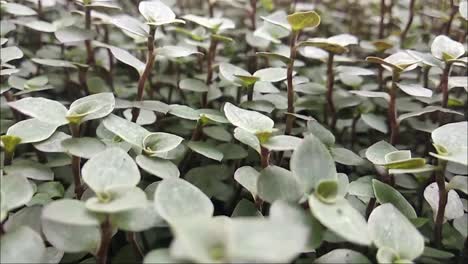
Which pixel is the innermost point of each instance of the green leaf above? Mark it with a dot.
(276, 183)
(463, 8)
(302, 20)
(70, 227)
(131, 24)
(386, 194)
(91, 107)
(376, 153)
(376, 122)
(158, 167)
(372, 94)
(70, 212)
(285, 213)
(272, 242)
(231, 72)
(250, 121)
(247, 138)
(85, 147)
(22, 245)
(425, 110)
(55, 63)
(444, 48)
(43, 109)
(16, 192)
(346, 156)
(245, 208)
(160, 142)
(341, 218)
(18, 10)
(282, 143)
(321, 132)
(193, 85)
(157, 13)
(109, 169)
(176, 199)
(459, 182)
(73, 34)
(53, 143)
(32, 130)
(117, 200)
(9, 54)
(452, 137)
(184, 112)
(327, 191)
(176, 51)
(30, 169)
(388, 228)
(271, 74)
(248, 178)
(343, 255)
(124, 57)
(128, 131)
(415, 90)
(159, 256)
(454, 207)
(206, 149)
(312, 163)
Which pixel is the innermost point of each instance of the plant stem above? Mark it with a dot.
(330, 81)
(265, 157)
(440, 179)
(89, 48)
(131, 238)
(408, 24)
(209, 68)
(382, 19)
(253, 60)
(392, 110)
(292, 56)
(453, 12)
(82, 79)
(197, 132)
(144, 76)
(443, 86)
(106, 237)
(76, 164)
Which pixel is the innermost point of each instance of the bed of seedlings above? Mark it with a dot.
(233, 131)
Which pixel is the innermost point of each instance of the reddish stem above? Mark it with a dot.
(144, 76)
(292, 56)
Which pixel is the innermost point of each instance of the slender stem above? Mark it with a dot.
(453, 12)
(197, 132)
(292, 57)
(392, 110)
(76, 164)
(82, 78)
(265, 157)
(144, 76)
(89, 48)
(330, 81)
(370, 207)
(440, 179)
(353, 130)
(408, 24)
(253, 59)
(106, 237)
(131, 238)
(443, 86)
(110, 58)
(209, 68)
(382, 19)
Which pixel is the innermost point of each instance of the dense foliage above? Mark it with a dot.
(234, 131)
